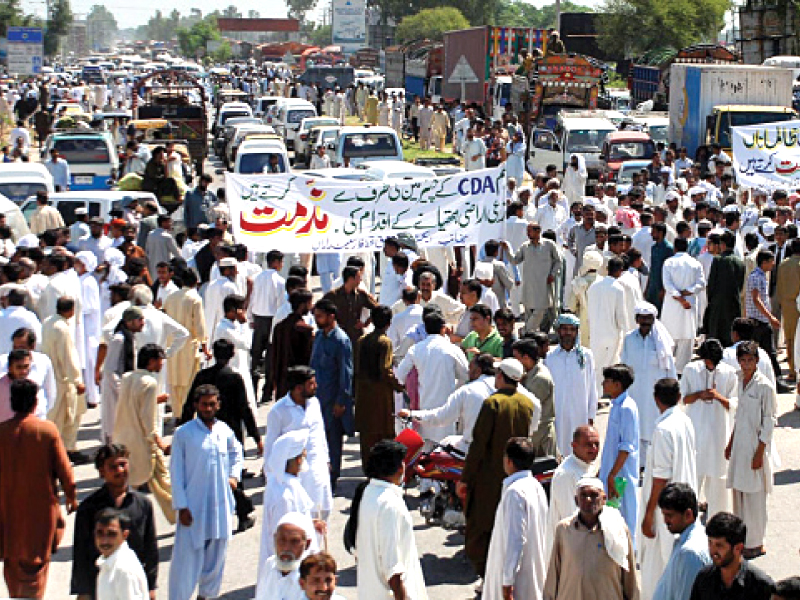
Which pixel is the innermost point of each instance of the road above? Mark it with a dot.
(447, 573)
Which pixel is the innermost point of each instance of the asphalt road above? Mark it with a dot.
(447, 573)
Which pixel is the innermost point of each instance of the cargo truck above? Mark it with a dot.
(707, 100)
(492, 54)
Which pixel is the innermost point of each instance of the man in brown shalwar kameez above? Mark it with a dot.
(375, 383)
(32, 458)
(292, 340)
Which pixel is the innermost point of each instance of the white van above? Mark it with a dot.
(253, 156)
(290, 115)
(573, 135)
(229, 110)
(262, 104)
(92, 157)
(97, 204)
(20, 180)
(358, 144)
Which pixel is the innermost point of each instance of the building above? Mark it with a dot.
(768, 28)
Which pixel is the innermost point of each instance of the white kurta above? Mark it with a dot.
(215, 294)
(562, 494)
(639, 353)
(386, 546)
(517, 548)
(608, 319)
(764, 363)
(712, 427)
(241, 336)
(575, 183)
(90, 297)
(575, 393)
(121, 576)
(681, 272)
(60, 285)
(17, 317)
(442, 367)
(283, 494)
(287, 416)
(672, 457)
(273, 584)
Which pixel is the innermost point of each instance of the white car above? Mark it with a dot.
(254, 155)
(18, 181)
(356, 145)
(96, 203)
(301, 139)
(290, 114)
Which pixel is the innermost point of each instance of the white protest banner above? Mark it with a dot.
(767, 155)
(293, 212)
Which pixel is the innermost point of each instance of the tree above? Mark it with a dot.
(232, 12)
(430, 23)
(297, 9)
(190, 40)
(100, 27)
(631, 27)
(523, 14)
(11, 15)
(321, 36)
(58, 23)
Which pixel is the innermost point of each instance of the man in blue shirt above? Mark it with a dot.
(620, 458)
(678, 504)
(197, 202)
(332, 359)
(59, 169)
(660, 252)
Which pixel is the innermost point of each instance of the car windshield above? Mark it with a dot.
(631, 150)
(658, 132)
(309, 124)
(17, 192)
(586, 140)
(362, 145)
(737, 119)
(626, 174)
(296, 116)
(257, 163)
(234, 113)
(82, 151)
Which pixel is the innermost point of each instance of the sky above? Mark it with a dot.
(132, 14)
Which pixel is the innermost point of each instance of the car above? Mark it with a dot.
(93, 159)
(262, 104)
(365, 143)
(301, 148)
(253, 157)
(20, 180)
(225, 133)
(290, 114)
(325, 136)
(622, 146)
(230, 110)
(240, 131)
(96, 203)
(626, 173)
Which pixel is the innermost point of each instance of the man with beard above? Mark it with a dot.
(206, 466)
(729, 575)
(280, 574)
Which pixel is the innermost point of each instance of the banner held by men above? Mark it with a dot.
(767, 155)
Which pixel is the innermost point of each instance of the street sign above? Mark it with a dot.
(288, 58)
(463, 73)
(25, 50)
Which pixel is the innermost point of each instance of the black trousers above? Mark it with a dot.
(415, 128)
(260, 351)
(763, 334)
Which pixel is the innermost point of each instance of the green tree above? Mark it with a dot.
(58, 23)
(297, 9)
(320, 36)
(232, 12)
(430, 23)
(631, 27)
(12, 15)
(523, 14)
(100, 27)
(223, 53)
(191, 39)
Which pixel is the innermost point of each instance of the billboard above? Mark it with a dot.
(349, 25)
(25, 50)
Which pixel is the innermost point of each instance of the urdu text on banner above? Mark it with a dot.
(294, 212)
(767, 155)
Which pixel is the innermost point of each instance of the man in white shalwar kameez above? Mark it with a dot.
(284, 493)
(648, 351)
(672, 459)
(300, 410)
(708, 387)
(608, 318)
(217, 291)
(683, 280)
(233, 327)
(575, 387)
(63, 282)
(575, 177)
(516, 561)
(563, 487)
(279, 576)
(441, 367)
(750, 450)
(85, 265)
(206, 465)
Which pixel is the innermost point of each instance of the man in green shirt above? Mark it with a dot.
(483, 337)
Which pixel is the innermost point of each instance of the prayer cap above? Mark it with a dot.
(228, 262)
(645, 308)
(80, 211)
(592, 482)
(511, 368)
(568, 318)
(484, 271)
(300, 520)
(28, 241)
(88, 259)
(592, 260)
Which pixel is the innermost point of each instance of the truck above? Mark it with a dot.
(649, 75)
(423, 71)
(491, 53)
(715, 98)
(564, 81)
(180, 98)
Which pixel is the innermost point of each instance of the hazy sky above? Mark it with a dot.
(131, 14)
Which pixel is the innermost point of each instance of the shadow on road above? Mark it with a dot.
(787, 477)
(790, 419)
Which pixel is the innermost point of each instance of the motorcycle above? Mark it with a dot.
(440, 469)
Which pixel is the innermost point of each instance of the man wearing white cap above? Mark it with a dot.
(279, 576)
(217, 291)
(79, 228)
(592, 552)
(15, 316)
(683, 279)
(505, 414)
(648, 351)
(85, 265)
